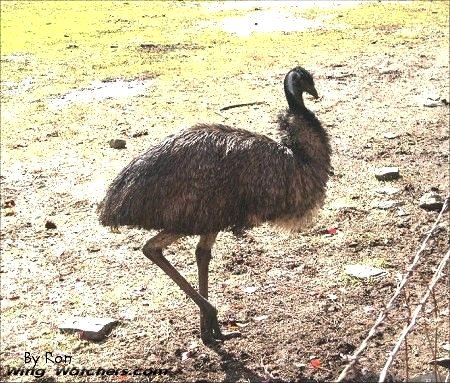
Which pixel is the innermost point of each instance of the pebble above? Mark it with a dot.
(117, 143)
(386, 205)
(432, 103)
(431, 201)
(364, 271)
(91, 328)
(390, 135)
(388, 190)
(50, 225)
(402, 213)
(387, 173)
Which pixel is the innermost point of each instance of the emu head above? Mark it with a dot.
(297, 81)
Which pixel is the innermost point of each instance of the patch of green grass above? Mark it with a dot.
(76, 42)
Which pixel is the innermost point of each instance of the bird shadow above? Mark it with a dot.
(234, 367)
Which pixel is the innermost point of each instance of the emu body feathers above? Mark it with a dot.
(211, 178)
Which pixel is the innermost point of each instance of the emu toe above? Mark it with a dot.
(210, 330)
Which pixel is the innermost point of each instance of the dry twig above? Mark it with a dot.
(245, 104)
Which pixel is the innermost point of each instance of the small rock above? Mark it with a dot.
(90, 328)
(139, 133)
(261, 317)
(387, 173)
(186, 355)
(9, 211)
(364, 271)
(117, 143)
(9, 204)
(432, 103)
(431, 201)
(388, 190)
(368, 309)
(250, 290)
(390, 135)
(402, 213)
(443, 362)
(50, 225)
(386, 205)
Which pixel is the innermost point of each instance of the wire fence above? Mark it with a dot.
(394, 299)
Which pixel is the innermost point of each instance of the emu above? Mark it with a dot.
(214, 177)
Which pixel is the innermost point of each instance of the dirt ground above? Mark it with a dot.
(299, 314)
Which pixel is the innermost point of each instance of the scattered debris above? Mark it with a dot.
(364, 271)
(186, 355)
(9, 204)
(332, 231)
(386, 205)
(245, 104)
(117, 143)
(315, 363)
(368, 309)
(332, 296)
(250, 290)
(261, 317)
(432, 102)
(390, 135)
(299, 365)
(95, 329)
(139, 133)
(443, 362)
(387, 173)
(50, 225)
(190, 353)
(431, 201)
(402, 213)
(274, 273)
(9, 207)
(388, 190)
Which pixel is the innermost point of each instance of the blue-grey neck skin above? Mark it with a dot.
(294, 93)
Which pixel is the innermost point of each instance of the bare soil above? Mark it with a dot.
(286, 293)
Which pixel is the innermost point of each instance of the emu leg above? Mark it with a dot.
(153, 251)
(203, 257)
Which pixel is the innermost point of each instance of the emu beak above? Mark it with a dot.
(313, 92)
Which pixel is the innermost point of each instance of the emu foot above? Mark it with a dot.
(210, 330)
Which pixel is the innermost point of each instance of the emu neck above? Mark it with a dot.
(296, 104)
(305, 136)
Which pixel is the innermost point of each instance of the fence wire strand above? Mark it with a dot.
(397, 292)
(437, 275)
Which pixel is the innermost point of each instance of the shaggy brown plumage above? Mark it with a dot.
(211, 178)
